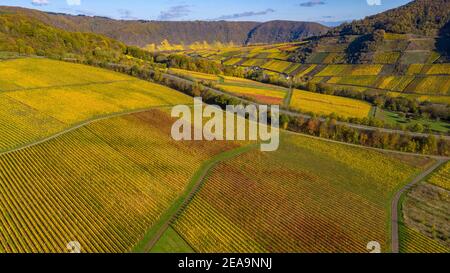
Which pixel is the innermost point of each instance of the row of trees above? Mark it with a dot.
(198, 65)
(165, 45)
(377, 139)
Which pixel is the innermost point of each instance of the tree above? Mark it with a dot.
(284, 121)
(313, 126)
(165, 45)
(312, 87)
(417, 128)
(432, 144)
(150, 47)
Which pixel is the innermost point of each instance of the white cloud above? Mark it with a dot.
(40, 2)
(73, 2)
(374, 2)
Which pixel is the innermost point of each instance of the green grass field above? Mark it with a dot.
(395, 119)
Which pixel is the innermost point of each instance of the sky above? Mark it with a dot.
(324, 11)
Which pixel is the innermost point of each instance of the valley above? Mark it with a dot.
(88, 155)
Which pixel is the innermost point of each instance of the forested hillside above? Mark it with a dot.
(25, 35)
(423, 17)
(28, 36)
(141, 33)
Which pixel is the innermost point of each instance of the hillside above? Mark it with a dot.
(26, 35)
(283, 31)
(141, 33)
(424, 17)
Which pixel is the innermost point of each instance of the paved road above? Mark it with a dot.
(395, 203)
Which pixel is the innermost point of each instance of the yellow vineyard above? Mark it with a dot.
(103, 185)
(326, 105)
(40, 104)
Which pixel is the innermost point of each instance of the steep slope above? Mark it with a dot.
(141, 33)
(424, 17)
(284, 31)
(20, 33)
(414, 33)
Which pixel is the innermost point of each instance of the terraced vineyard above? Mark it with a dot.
(130, 172)
(35, 104)
(306, 102)
(309, 196)
(328, 64)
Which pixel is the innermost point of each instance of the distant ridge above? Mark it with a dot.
(141, 32)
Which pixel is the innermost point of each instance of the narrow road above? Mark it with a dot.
(395, 203)
(296, 114)
(196, 184)
(288, 98)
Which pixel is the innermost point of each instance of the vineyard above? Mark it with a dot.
(29, 73)
(415, 242)
(259, 92)
(261, 95)
(270, 94)
(96, 114)
(309, 196)
(420, 73)
(130, 173)
(35, 104)
(441, 178)
(325, 105)
(424, 227)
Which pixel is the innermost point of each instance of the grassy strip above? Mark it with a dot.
(401, 223)
(288, 98)
(179, 204)
(171, 242)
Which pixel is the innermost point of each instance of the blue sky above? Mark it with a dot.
(242, 10)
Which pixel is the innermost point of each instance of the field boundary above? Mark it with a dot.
(156, 232)
(65, 85)
(288, 98)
